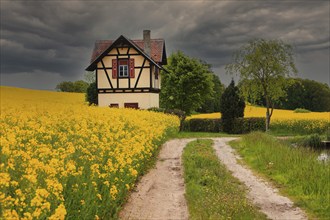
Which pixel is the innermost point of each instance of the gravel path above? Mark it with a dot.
(260, 192)
(160, 193)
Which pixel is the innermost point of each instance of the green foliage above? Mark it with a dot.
(300, 93)
(187, 134)
(209, 183)
(313, 141)
(264, 66)
(247, 125)
(231, 106)
(239, 125)
(295, 169)
(186, 83)
(301, 110)
(155, 109)
(328, 135)
(212, 104)
(79, 86)
(202, 125)
(91, 94)
(307, 94)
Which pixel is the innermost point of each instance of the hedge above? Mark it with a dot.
(241, 125)
(202, 125)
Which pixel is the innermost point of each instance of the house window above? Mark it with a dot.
(131, 105)
(123, 68)
(114, 105)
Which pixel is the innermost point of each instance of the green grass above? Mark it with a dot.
(295, 171)
(186, 134)
(211, 191)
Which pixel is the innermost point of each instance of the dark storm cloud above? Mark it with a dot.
(55, 38)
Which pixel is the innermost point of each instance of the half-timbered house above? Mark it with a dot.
(127, 71)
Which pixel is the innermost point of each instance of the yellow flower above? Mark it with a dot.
(49, 139)
(113, 192)
(99, 196)
(59, 214)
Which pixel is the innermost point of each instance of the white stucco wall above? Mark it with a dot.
(145, 100)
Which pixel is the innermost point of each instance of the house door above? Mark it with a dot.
(131, 105)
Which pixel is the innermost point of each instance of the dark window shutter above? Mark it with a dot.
(114, 68)
(131, 68)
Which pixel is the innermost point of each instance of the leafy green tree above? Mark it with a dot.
(212, 104)
(79, 86)
(267, 64)
(185, 84)
(91, 94)
(65, 86)
(232, 106)
(307, 94)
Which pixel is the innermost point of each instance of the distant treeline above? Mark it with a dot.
(79, 86)
(302, 93)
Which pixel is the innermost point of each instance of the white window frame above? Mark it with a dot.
(123, 70)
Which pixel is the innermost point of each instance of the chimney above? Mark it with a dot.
(147, 44)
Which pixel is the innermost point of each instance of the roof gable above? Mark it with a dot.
(103, 47)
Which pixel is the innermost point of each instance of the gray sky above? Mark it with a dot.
(46, 42)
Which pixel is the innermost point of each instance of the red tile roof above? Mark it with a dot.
(157, 47)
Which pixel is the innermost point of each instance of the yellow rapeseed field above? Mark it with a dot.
(285, 120)
(278, 114)
(60, 158)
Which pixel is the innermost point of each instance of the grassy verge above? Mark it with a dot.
(211, 191)
(186, 134)
(296, 171)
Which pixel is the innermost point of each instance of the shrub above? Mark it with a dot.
(313, 141)
(301, 110)
(202, 125)
(91, 94)
(156, 109)
(239, 125)
(328, 136)
(231, 106)
(247, 125)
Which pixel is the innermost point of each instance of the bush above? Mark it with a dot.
(156, 109)
(247, 125)
(301, 110)
(328, 136)
(239, 126)
(231, 106)
(313, 141)
(91, 94)
(202, 125)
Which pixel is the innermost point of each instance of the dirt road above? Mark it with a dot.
(160, 193)
(260, 192)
